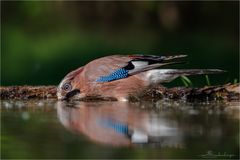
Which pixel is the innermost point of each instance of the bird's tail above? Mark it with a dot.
(188, 72)
(167, 75)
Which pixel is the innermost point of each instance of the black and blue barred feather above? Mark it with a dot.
(117, 74)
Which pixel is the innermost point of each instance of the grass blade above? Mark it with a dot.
(186, 81)
(207, 80)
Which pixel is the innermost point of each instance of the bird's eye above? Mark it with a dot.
(67, 87)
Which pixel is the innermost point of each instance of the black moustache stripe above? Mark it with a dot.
(72, 93)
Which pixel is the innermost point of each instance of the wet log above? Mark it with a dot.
(229, 92)
(28, 92)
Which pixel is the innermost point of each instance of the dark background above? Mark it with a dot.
(43, 41)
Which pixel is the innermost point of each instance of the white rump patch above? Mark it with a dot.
(160, 75)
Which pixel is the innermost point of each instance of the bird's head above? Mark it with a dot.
(69, 87)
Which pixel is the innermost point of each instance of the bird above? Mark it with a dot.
(120, 76)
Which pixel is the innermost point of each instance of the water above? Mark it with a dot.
(165, 129)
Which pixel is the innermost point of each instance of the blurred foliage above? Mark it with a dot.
(44, 40)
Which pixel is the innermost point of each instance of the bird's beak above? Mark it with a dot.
(59, 96)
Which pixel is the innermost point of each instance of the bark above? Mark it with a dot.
(229, 92)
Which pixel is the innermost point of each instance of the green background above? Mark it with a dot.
(42, 41)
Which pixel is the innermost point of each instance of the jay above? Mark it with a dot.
(119, 76)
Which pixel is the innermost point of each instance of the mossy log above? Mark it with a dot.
(229, 92)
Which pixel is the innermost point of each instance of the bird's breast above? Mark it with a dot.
(117, 88)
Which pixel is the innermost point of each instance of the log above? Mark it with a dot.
(28, 92)
(229, 92)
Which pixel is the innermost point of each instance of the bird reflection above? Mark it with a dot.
(119, 124)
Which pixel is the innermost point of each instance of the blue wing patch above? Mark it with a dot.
(117, 74)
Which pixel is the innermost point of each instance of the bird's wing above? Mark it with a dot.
(117, 67)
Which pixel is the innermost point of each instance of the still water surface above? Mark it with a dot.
(163, 129)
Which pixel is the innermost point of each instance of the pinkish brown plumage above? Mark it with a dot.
(119, 76)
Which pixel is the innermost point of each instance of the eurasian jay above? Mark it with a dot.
(119, 76)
